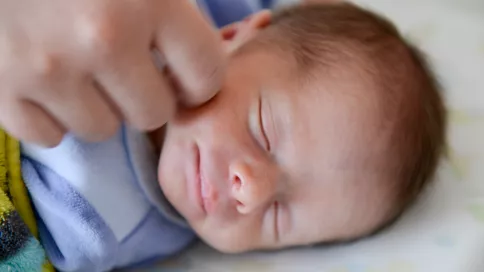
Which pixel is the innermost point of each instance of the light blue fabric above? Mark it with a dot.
(73, 232)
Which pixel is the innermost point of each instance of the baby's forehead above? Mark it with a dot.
(337, 132)
(343, 109)
(329, 120)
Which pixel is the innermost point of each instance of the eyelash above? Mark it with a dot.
(261, 125)
(276, 219)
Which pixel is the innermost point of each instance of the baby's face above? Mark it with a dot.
(271, 161)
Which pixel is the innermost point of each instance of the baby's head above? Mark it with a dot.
(327, 127)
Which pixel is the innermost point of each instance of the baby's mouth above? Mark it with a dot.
(208, 193)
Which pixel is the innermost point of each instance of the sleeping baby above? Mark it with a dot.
(327, 128)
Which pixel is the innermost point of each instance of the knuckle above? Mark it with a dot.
(211, 80)
(47, 66)
(142, 123)
(48, 141)
(99, 35)
(205, 84)
(207, 72)
(23, 128)
(103, 131)
(150, 115)
(147, 122)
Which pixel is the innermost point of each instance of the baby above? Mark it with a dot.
(328, 126)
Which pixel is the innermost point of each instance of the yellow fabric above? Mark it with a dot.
(3, 164)
(18, 192)
(11, 184)
(5, 205)
(47, 267)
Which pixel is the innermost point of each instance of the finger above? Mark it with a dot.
(229, 32)
(83, 110)
(29, 122)
(192, 49)
(139, 90)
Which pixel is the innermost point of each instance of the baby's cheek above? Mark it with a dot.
(234, 236)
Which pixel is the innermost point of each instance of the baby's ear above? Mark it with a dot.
(258, 20)
(237, 34)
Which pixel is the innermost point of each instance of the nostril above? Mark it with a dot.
(237, 183)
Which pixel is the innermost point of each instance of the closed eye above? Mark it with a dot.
(276, 219)
(267, 144)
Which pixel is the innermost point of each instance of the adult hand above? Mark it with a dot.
(86, 65)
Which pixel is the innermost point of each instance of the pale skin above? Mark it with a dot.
(85, 66)
(270, 162)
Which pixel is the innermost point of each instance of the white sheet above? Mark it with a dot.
(445, 231)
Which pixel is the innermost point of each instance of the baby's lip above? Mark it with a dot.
(208, 193)
(197, 182)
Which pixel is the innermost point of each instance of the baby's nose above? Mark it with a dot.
(253, 186)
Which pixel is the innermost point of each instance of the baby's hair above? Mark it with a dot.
(325, 35)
